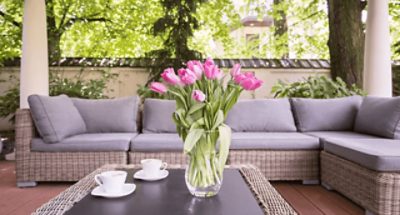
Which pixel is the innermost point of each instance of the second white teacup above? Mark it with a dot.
(111, 181)
(153, 167)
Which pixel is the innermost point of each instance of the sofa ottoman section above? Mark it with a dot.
(376, 191)
(382, 155)
(326, 135)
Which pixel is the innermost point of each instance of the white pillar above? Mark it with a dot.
(377, 57)
(34, 78)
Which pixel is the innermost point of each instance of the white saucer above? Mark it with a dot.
(126, 190)
(140, 175)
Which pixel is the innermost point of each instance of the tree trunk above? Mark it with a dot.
(346, 40)
(54, 38)
(53, 34)
(281, 32)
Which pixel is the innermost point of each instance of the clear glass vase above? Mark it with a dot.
(203, 176)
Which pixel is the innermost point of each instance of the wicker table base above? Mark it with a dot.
(269, 199)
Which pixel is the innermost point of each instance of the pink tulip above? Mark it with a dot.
(196, 67)
(235, 70)
(158, 87)
(198, 96)
(212, 72)
(251, 83)
(187, 76)
(239, 78)
(170, 77)
(181, 71)
(209, 61)
(249, 74)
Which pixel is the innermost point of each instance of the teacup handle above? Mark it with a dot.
(164, 166)
(97, 178)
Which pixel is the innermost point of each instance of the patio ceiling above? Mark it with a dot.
(34, 62)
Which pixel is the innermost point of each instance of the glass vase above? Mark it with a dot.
(203, 176)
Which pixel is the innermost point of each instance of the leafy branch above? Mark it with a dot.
(10, 19)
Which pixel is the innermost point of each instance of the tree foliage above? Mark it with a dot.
(10, 29)
(394, 12)
(123, 28)
(175, 28)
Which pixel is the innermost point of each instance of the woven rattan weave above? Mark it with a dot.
(378, 192)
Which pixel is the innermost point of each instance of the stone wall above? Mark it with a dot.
(129, 78)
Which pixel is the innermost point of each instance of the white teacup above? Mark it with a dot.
(153, 167)
(111, 181)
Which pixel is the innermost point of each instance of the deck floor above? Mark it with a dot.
(306, 199)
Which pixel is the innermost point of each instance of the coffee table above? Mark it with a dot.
(244, 191)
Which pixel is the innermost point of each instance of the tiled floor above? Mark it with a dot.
(307, 200)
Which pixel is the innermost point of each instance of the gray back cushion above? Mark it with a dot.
(55, 117)
(379, 116)
(157, 116)
(326, 114)
(109, 115)
(258, 115)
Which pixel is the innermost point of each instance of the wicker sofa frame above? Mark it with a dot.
(377, 192)
(300, 165)
(72, 166)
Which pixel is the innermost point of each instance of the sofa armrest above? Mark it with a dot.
(24, 132)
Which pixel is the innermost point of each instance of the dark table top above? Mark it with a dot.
(170, 196)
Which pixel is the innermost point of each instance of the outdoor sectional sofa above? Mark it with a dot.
(350, 144)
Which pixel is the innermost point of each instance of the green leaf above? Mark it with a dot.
(218, 119)
(196, 107)
(224, 144)
(200, 122)
(179, 99)
(192, 138)
(180, 118)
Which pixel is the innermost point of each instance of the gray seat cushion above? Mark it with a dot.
(102, 142)
(109, 115)
(261, 115)
(156, 143)
(157, 116)
(379, 116)
(376, 154)
(55, 117)
(340, 135)
(324, 135)
(336, 114)
(274, 141)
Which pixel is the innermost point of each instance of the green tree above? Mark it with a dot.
(280, 28)
(394, 12)
(346, 40)
(86, 28)
(10, 29)
(121, 28)
(175, 28)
